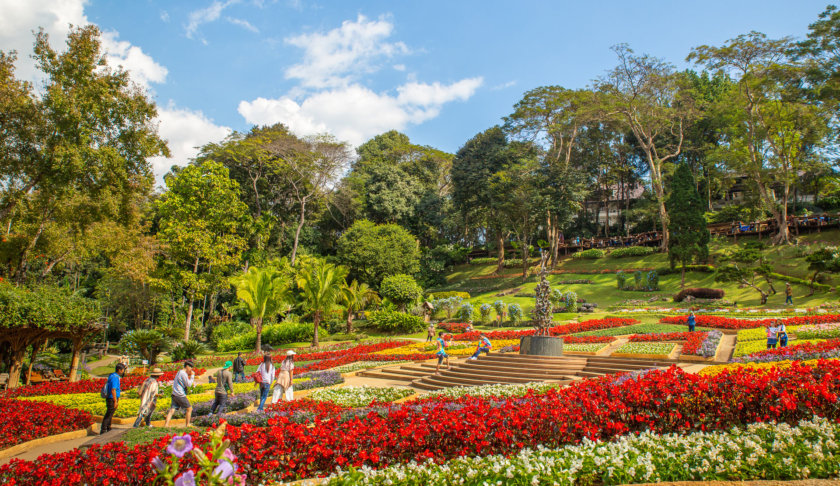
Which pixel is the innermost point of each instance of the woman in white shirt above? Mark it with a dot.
(772, 333)
(266, 371)
(284, 378)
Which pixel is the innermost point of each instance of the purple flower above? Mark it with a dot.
(158, 464)
(229, 455)
(180, 445)
(223, 470)
(186, 479)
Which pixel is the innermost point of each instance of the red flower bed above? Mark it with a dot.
(343, 360)
(693, 340)
(587, 339)
(721, 322)
(360, 350)
(24, 421)
(669, 401)
(84, 386)
(562, 329)
(453, 326)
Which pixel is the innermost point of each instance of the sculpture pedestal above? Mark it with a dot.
(541, 345)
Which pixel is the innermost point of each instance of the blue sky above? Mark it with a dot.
(438, 71)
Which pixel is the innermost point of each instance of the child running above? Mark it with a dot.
(484, 345)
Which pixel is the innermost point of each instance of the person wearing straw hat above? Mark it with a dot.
(224, 388)
(284, 379)
(148, 392)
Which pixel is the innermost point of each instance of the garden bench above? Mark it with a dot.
(60, 376)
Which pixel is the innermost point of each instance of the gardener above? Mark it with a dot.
(183, 380)
(691, 321)
(148, 398)
(788, 294)
(224, 388)
(781, 333)
(772, 334)
(112, 396)
(430, 333)
(266, 373)
(284, 379)
(441, 353)
(239, 369)
(484, 345)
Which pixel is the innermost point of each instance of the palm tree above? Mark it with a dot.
(355, 298)
(321, 284)
(264, 292)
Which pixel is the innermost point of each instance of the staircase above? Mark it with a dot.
(510, 369)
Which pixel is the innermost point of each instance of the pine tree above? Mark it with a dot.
(689, 235)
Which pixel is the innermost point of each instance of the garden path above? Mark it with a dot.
(619, 342)
(727, 347)
(67, 445)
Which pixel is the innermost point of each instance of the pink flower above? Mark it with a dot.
(180, 445)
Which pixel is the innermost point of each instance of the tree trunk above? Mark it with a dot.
(682, 280)
(35, 348)
(17, 350)
(757, 289)
(500, 263)
(524, 259)
(297, 231)
(349, 321)
(74, 360)
(316, 317)
(257, 323)
(189, 320)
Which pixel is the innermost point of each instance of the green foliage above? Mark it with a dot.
(273, 334)
(449, 305)
(823, 260)
(688, 268)
(501, 309)
(570, 300)
(637, 278)
(401, 290)
(621, 280)
(483, 261)
(230, 330)
(689, 236)
(590, 254)
(265, 292)
(144, 342)
(437, 261)
(187, 350)
(515, 313)
(373, 252)
(447, 294)
(466, 312)
(484, 313)
(48, 309)
(321, 285)
(393, 321)
(355, 298)
(632, 251)
(652, 280)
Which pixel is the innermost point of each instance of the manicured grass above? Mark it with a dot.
(638, 329)
(142, 435)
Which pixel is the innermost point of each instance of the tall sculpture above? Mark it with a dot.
(543, 308)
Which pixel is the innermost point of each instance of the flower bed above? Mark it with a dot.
(668, 401)
(359, 396)
(83, 386)
(798, 352)
(559, 330)
(708, 347)
(657, 349)
(734, 323)
(296, 411)
(453, 327)
(757, 451)
(514, 390)
(753, 367)
(635, 329)
(819, 331)
(583, 348)
(24, 421)
(752, 347)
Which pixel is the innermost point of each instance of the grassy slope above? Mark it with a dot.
(785, 260)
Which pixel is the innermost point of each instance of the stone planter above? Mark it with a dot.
(541, 345)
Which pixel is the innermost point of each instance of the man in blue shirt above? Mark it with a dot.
(112, 397)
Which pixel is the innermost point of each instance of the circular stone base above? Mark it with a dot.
(541, 345)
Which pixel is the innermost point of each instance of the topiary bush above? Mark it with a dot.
(621, 280)
(484, 313)
(466, 312)
(400, 289)
(515, 313)
(637, 278)
(483, 261)
(393, 321)
(570, 300)
(699, 293)
(632, 251)
(448, 294)
(652, 280)
(501, 310)
(590, 254)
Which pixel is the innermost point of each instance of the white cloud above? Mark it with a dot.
(211, 14)
(186, 131)
(244, 24)
(509, 84)
(335, 58)
(355, 113)
(142, 68)
(399, 67)
(164, 16)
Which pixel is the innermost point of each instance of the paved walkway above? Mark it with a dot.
(115, 435)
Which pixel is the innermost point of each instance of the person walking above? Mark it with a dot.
(484, 346)
(267, 372)
(184, 379)
(430, 333)
(441, 353)
(772, 335)
(224, 389)
(781, 333)
(788, 294)
(239, 369)
(148, 392)
(111, 392)
(284, 382)
(691, 321)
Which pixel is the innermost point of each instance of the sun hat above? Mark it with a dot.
(156, 372)
(189, 363)
(290, 352)
(228, 364)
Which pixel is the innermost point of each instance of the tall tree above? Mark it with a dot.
(645, 94)
(775, 130)
(356, 297)
(689, 234)
(265, 293)
(202, 224)
(372, 252)
(321, 285)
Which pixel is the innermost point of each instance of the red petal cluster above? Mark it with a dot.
(84, 386)
(693, 340)
(24, 421)
(722, 322)
(560, 330)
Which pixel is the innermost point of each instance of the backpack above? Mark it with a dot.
(104, 391)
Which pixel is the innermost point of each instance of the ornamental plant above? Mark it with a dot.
(515, 313)
(24, 421)
(217, 466)
(400, 289)
(466, 312)
(501, 311)
(484, 313)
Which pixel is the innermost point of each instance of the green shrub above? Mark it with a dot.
(229, 330)
(570, 300)
(483, 261)
(632, 251)
(273, 334)
(653, 280)
(515, 313)
(484, 312)
(400, 289)
(590, 254)
(145, 342)
(800, 281)
(621, 280)
(466, 312)
(448, 294)
(637, 277)
(688, 268)
(187, 350)
(390, 320)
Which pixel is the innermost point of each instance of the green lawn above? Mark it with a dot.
(638, 329)
(142, 435)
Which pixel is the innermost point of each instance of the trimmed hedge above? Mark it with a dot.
(590, 254)
(632, 251)
(273, 334)
(387, 320)
(699, 293)
(800, 281)
(688, 268)
(448, 294)
(483, 261)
